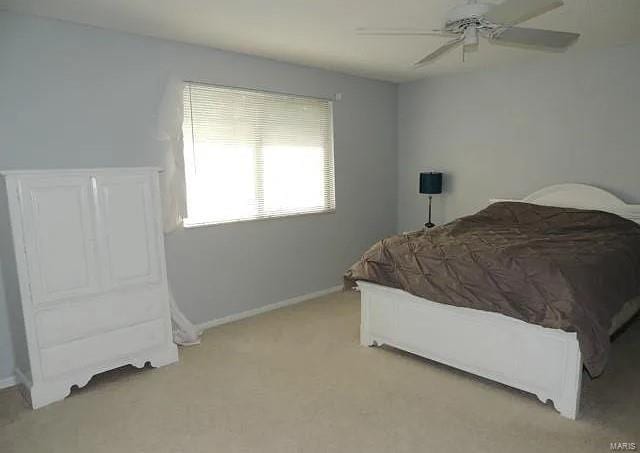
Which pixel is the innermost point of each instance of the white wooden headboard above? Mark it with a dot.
(581, 196)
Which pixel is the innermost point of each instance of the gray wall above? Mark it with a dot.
(75, 96)
(509, 131)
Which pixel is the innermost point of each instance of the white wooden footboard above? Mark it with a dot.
(545, 362)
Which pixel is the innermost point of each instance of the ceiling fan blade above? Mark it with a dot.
(401, 32)
(443, 49)
(535, 37)
(511, 12)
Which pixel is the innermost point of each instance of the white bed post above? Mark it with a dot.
(568, 403)
(365, 338)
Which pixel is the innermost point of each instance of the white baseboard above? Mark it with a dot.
(266, 308)
(8, 382)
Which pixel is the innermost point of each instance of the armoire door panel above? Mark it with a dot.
(127, 216)
(59, 237)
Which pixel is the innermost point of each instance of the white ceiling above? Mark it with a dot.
(321, 33)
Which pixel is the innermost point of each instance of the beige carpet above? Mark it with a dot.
(296, 380)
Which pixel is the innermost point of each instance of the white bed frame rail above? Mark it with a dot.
(542, 361)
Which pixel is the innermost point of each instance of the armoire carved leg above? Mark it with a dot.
(164, 357)
(42, 394)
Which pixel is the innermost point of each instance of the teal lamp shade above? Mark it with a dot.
(431, 183)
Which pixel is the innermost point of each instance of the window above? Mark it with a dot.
(254, 155)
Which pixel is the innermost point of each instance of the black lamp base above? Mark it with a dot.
(429, 223)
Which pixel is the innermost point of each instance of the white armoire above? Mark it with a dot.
(83, 261)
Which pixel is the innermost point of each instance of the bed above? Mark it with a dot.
(541, 360)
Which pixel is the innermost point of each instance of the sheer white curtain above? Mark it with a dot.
(169, 137)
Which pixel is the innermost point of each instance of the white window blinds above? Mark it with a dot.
(253, 155)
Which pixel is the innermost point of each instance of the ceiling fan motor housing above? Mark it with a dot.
(463, 16)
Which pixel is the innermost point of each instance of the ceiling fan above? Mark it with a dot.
(495, 22)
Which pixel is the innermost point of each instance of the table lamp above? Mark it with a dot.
(430, 184)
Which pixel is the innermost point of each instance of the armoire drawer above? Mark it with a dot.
(84, 353)
(76, 320)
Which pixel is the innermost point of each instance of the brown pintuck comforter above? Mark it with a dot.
(561, 268)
